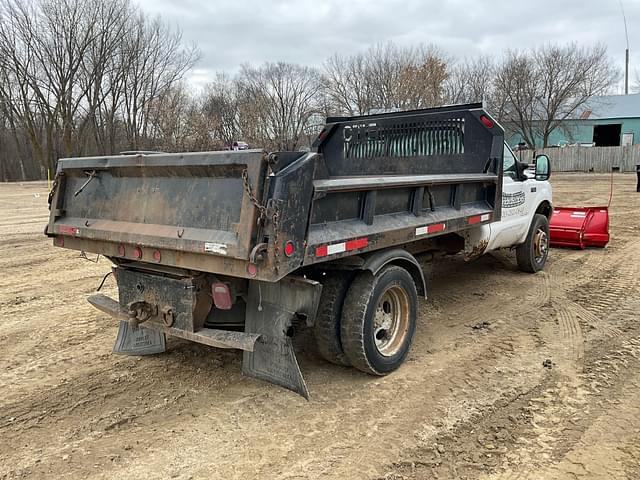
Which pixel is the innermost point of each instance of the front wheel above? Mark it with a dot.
(379, 320)
(532, 254)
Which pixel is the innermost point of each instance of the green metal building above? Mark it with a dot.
(608, 121)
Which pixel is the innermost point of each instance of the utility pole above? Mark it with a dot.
(626, 60)
(626, 73)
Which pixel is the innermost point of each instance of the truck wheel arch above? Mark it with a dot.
(400, 257)
(545, 209)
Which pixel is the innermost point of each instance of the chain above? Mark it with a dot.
(276, 230)
(262, 214)
(54, 187)
(262, 210)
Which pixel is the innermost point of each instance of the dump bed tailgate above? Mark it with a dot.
(191, 203)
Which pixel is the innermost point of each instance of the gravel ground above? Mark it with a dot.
(511, 376)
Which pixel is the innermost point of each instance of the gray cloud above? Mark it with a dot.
(230, 33)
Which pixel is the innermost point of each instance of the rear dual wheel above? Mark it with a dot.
(327, 325)
(367, 321)
(379, 320)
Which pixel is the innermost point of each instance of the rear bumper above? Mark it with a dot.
(207, 336)
(152, 305)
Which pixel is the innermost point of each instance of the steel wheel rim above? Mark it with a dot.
(541, 245)
(391, 321)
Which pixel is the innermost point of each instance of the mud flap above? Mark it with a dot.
(130, 341)
(271, 310)
(138, 341)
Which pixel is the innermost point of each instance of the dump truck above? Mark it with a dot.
(242, 249)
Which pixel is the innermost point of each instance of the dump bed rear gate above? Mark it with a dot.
(167, 205)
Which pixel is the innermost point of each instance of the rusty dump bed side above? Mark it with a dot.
(369, 183)
(397, 178)
(169, 209)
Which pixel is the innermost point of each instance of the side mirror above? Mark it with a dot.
(543, 168)
(520, 169)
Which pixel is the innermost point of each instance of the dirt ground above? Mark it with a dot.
(511, 376)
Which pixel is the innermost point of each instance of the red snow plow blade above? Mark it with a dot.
(580, 227)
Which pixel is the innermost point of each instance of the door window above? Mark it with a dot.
(509, 163)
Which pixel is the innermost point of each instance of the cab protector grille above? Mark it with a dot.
(416, 139)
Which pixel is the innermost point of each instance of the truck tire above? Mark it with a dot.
(532, 254)
(327, 323)
(379, 320)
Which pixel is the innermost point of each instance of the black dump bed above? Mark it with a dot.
(370, 182)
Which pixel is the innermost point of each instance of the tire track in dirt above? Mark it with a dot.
(609, 357)
(553, 420)
(572, 346)
(565, 403)
(472, 393)
(409, 387)
(594, 406)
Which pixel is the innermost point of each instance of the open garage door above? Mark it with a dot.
(607, 135)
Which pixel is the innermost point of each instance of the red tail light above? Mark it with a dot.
(252, 269)
(486, 121)
(289, 248)
(222, 296)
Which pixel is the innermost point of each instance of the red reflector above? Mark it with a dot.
(121, 250)
(479, 219)
(222, 296)
(342, 247)
(252, 269)
(59, 241)
(67, 230)
(289, 248)
(157, 256)
(358, 243)
(486, 121)
(137, 252)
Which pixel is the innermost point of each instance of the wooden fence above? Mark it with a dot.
(590, 159)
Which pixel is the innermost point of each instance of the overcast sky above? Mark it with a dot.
(231, 32)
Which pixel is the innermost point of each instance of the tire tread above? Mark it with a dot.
(327, 323)
(353, 313)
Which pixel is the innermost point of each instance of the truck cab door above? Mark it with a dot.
(517, 200)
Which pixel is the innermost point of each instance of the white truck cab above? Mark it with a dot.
(526, 211)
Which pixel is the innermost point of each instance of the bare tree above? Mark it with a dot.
(636, 85)
(101, 64)
(539, 89)
(347, 85)
(171, 121)
(220, 109)
(46, 45)
(154, 60)
(386, 76)
(99, 76)
(516, 99)
(80, 76)
(470, 81)
(421, 81)
(278, 99)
